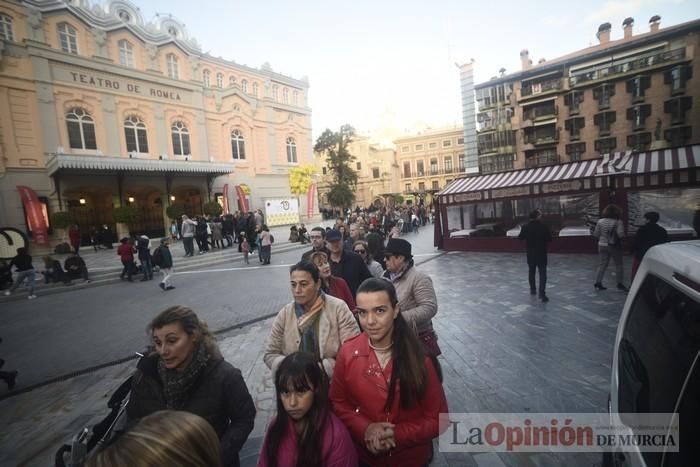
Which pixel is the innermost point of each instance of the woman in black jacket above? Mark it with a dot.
(647, 236)
(187, 372)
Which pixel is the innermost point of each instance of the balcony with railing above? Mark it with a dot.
(540, 111)
(541, 87)
(546, 134)
(541, 158)
(626, 65)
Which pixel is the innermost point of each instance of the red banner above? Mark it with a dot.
(310, 200)
(226, 211)
(242, 200)
(35, 218)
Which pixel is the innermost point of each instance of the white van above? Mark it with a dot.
(656, 360)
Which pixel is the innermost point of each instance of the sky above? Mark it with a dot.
(389, 66)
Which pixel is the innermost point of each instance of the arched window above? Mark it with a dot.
(274, 92)
(237, 145)
(173, 71)
(136, 135)
(219, 80)
(291, 151)
(255, 89)
(6, 31)
(181, 139)
(68, 38)
(244, 86)
(231, 81)
(285, 95)
(126, 53)
(206, 77)
(81, 129)
(295, 97)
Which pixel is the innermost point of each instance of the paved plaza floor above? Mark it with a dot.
(503, 351)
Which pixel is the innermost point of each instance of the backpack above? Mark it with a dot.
(613, 238)
(157, 257)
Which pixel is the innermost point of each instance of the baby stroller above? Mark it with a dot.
(84, 444)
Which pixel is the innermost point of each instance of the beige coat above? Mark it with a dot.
(336, 325)
(417, 300)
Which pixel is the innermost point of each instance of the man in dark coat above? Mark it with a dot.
(536, 236)
(318, 243)
(346, 264)
(647, 236)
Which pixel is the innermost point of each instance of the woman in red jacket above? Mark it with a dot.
(333, 286)
(385, 389)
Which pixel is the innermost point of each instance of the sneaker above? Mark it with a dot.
(170, 287)
(31, 297)
(7, 292)
(161, 285)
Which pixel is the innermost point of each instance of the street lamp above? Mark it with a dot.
(131, 199)
(82, 201)
(172, 197)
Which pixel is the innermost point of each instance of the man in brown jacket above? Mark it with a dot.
(417, 299)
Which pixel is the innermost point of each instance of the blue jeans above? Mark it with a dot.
(30, 275)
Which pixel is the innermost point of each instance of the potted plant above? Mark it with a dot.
(174, 211)
(125, 217)
(212, 208)
(61, 220)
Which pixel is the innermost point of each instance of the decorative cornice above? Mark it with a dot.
(56, 162)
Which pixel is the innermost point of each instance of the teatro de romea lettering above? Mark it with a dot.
(99, 109)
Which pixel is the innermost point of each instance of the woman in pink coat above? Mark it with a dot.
(305, 433)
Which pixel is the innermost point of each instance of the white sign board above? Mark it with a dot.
(283, 211)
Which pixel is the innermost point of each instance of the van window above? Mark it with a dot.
(659, 345)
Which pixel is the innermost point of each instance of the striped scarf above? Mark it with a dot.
(307, 323)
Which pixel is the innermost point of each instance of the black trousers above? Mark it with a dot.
(543, 276)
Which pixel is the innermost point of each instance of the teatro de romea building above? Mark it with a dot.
(99, 109)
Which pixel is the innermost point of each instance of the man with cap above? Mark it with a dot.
(318, 243)
(536, 236)
(415, 291)
(346, 264)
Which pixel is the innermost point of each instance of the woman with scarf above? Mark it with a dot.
(314, 322)
(187, 372)
(416, 293)
(335, 286)
(305, 431)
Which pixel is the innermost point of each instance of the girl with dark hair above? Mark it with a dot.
(305, 433)
(187, 372)
(385, 388)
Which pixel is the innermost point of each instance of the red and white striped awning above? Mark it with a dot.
(611, 164)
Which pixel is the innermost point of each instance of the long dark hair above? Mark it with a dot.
(407, 352)
(301, 372)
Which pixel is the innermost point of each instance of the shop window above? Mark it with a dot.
(671, 203)
(573, 101)
(602, 94)
(375, 172)
(219, 80)
(181, 139)
(573, 126)
(6, 28)
(237, 145)
(677, 77)
(136, 135)
(81, 129)
(206, 78)
(639, 141)
(291, 150)
(433, 166)
(679, 135)
(173, 66)
(638, 115)
(637, 85)
(678, 107)
(605, 145)
(406, 169)
(575, 151)
(126, 53)
(604, 121)
(420, 168)
(435, 185)
(447, 162)
(68, 38)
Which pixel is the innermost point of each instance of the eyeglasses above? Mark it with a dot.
(360, 251)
